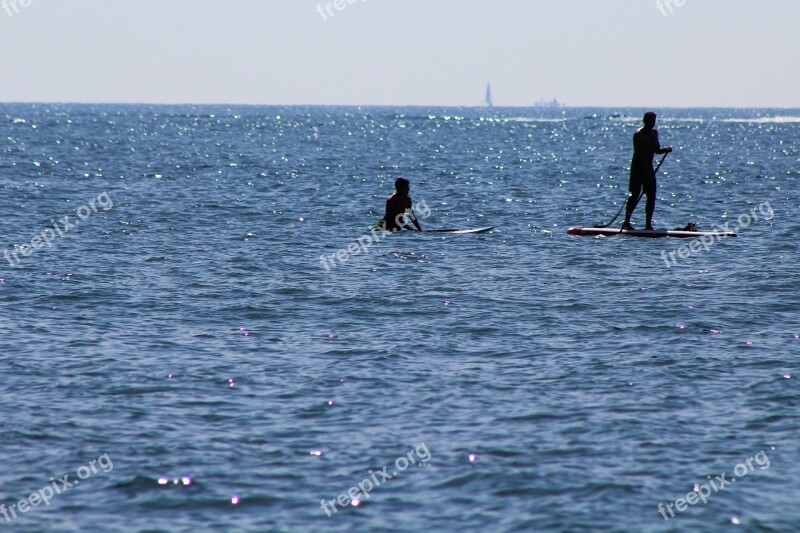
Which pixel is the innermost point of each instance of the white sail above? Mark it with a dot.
(489, 101)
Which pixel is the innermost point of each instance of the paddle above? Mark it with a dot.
(637, 201)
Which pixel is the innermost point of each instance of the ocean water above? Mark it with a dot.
(178, 349)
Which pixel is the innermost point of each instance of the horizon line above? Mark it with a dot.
(465, 106)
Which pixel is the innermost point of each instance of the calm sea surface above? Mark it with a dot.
(177, 349)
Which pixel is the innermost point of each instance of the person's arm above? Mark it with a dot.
(658, 149)
(410, 211)
(414, 220)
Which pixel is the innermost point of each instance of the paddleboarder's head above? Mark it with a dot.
(402, 185)
(650, 119)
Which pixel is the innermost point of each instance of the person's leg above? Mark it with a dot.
(650, 207)
(635, 189)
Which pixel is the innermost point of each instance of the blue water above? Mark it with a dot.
(185, 336)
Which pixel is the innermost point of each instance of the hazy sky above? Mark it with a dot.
(725, 53)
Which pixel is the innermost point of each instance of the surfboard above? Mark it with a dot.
(459, 231)
(653, 234)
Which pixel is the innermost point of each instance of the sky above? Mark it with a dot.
(607, 53)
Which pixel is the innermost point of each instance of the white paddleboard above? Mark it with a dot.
(459, 231)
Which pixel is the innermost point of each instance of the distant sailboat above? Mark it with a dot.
(489, 101)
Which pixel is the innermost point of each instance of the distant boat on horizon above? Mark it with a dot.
(489, 100)
(554, 103)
